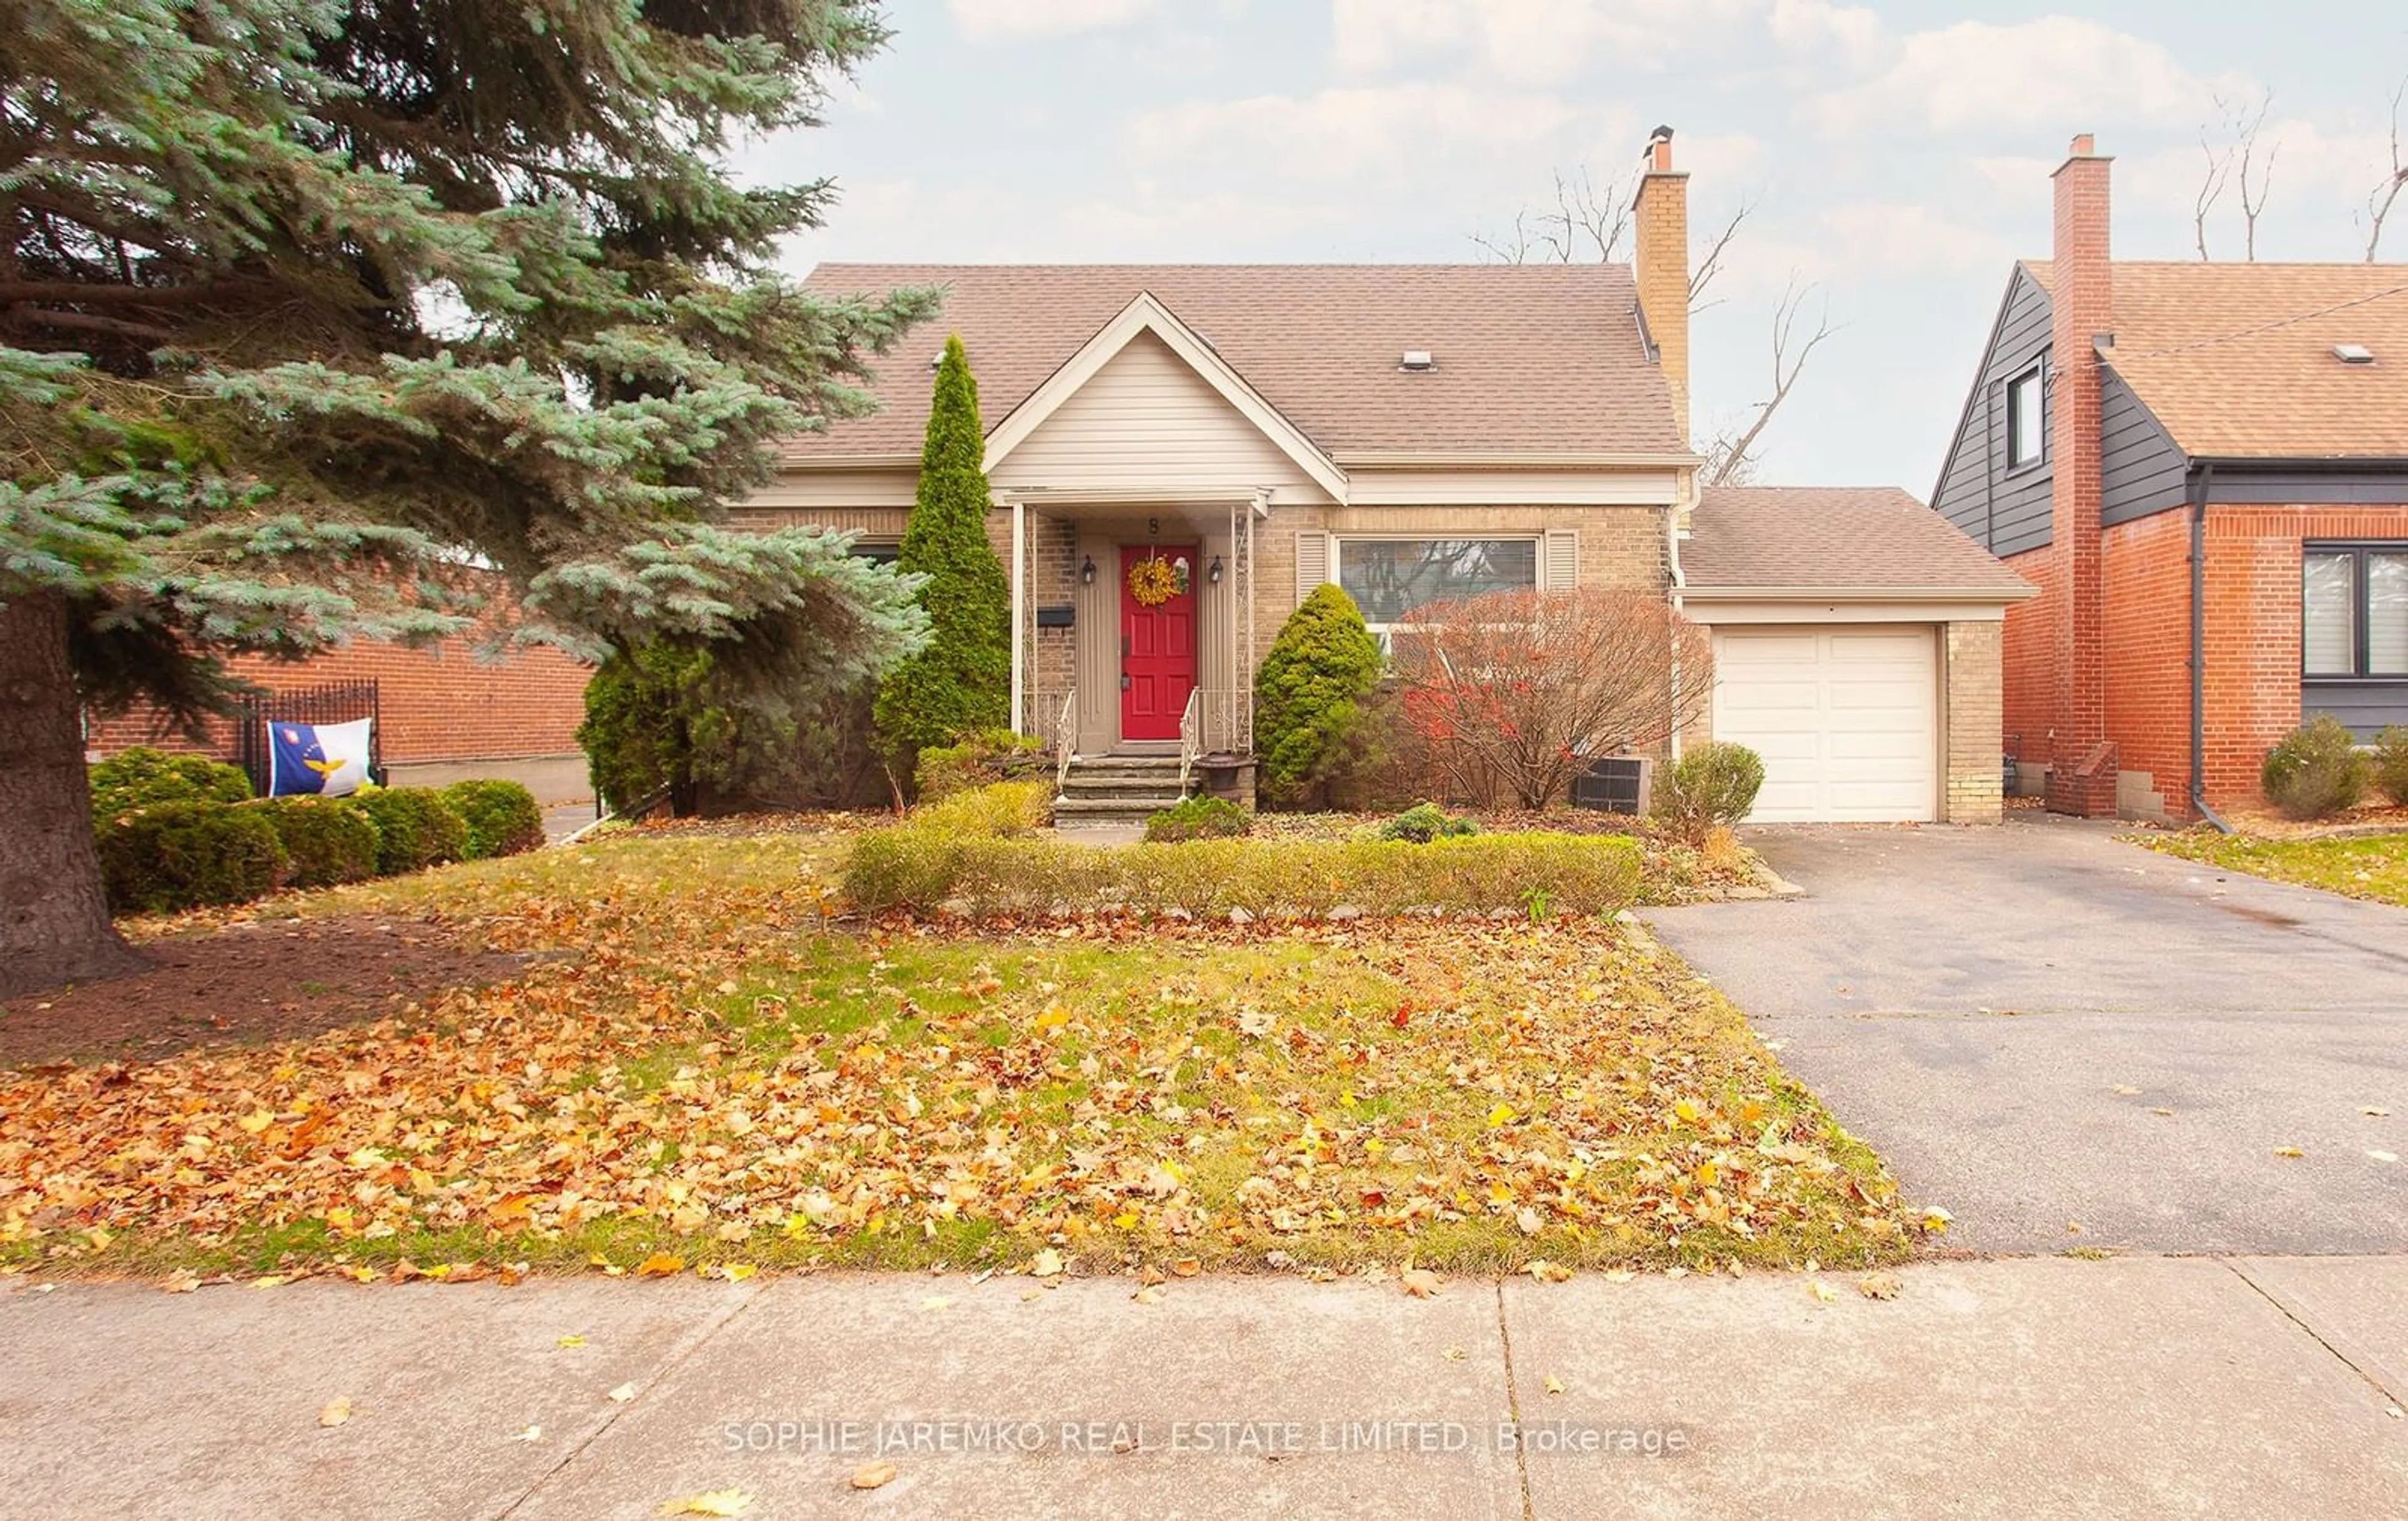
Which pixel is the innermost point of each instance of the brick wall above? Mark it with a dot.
(437, 704)
(1973, 653)
(2029, 664)
(2146, 624)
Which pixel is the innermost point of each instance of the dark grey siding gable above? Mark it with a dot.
(2006, 512)
(2141, 470)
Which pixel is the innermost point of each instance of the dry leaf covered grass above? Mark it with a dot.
(716, 1074)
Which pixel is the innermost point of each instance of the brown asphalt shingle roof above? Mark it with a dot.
(1870, 539)
(2237, 359)
(1529, 357)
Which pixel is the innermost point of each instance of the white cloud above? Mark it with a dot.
(1526, 41)
(1811, 25)
(1396, 133)
(2058, 72)
(983, 21)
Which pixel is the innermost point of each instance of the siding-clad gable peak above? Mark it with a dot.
(1148, 393)
(2004, 509)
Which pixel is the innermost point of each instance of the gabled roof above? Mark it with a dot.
(2236, 360)
(1814, 542)
(1147, 315)
(1527, 358)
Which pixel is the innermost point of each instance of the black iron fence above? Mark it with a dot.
(334, 702)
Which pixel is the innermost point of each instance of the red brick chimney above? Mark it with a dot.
(1660, 264)
(2083, 763)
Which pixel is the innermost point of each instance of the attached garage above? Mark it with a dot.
(1856, 649)
(1847, 719)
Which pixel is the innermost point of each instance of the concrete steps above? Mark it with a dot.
(1117, 789)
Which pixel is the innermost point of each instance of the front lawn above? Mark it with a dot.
(2374, 867)
(702, 1063)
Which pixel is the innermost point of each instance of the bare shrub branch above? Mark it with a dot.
(1529, 687)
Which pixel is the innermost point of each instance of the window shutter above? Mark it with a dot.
(1311, 562)
(1559, 564)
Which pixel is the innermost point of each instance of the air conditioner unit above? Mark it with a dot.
(1616, 784)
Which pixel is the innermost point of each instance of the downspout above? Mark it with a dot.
(1685, 501)
(2203, 480)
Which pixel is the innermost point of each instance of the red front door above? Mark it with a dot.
(1157, 647)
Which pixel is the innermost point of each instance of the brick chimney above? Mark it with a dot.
(1660, 258)
(2083, 762)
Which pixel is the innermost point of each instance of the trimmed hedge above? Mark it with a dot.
(1200, 817)
(997, 812)
(924, 871)
(142, 777)
(326, 839)
(173, 857)
(1309, 693)
(2316, 770)
(503, 817)
(415, 828)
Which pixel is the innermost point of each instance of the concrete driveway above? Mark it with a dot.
(2067, 1041)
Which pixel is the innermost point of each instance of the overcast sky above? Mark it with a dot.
(1897, 155)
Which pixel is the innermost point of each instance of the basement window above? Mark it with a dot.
(2027, 419)
(2353, 611)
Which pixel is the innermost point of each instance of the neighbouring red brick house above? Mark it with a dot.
(2204, 466)
(445, 712)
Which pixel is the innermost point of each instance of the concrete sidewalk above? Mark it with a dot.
(2245, 1387)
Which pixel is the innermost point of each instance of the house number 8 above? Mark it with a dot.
(1153, 527)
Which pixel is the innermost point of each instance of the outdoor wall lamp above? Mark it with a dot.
(1088, 571)
(1214, 575)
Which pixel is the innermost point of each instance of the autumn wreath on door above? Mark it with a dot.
(1154, 581)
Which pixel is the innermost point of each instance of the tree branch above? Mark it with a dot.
(1731, 458)
(2386, 194)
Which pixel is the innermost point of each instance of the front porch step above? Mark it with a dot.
(1118, 789)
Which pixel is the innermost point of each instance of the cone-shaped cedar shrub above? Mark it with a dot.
(961, 681)
(1309, 694)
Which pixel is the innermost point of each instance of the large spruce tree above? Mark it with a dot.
(304, 305)
(961, 683)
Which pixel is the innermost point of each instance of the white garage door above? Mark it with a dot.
(1846, 719)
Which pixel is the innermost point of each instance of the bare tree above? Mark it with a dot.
(2235, 161)
(1585, 226)
(1731, 458)
(2386, 193)
(1582, 227)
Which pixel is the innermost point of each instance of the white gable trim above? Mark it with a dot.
(1147, 315)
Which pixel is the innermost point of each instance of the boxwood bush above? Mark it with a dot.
(1713, 784)
(172, 856)
(2391, 764)
(1425, 821)
(924, 871)
(415, 828)
(503, 818)
(326, 840)
(2315, 770)
(142, 776)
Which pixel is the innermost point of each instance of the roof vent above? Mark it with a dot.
(1416, 359)
(2353, 353)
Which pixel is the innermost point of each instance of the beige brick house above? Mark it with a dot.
(1413, 433)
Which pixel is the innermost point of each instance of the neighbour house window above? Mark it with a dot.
(1389, 577)
(877, 552)
(2027, 419)
(2354, 610)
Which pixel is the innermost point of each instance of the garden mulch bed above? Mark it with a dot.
(248, 984)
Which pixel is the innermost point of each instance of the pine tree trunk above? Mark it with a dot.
(53, 920)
